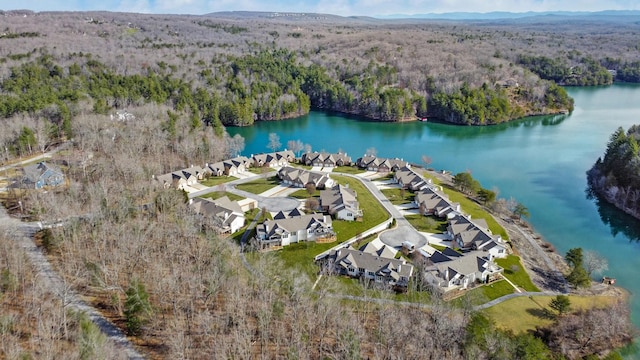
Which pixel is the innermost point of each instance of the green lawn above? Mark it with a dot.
(398, 196)
(348, 170)
(519, 276)
(430, 224)
(373, 212)
(218, 194)
(476, 211)
(217, 180)
(303, 194)
(497, 289)
(524, 314)
(300, 255)
(260, 185)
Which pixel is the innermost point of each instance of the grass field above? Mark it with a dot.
(303, 194)
(301, 255)
(348, 170)
(217, 180)
(519, 276)
(218, 194)
(522, 314)
(373, 212)
(260, 185)
(497, 289)
(430, 224)
(398, 196)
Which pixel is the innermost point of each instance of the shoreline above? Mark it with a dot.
(544, 265)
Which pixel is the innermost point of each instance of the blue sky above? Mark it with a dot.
(338, 7)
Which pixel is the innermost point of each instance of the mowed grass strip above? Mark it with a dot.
(429, 224)
(373, 212)
(514, 271)
(524, 314)
(398, 196)
(260, 185)
(218, 194)
(217, 180)
(301, 256)
(353, 170)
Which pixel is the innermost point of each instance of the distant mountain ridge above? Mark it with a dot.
(499, 15)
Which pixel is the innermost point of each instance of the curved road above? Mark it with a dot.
(22, 233)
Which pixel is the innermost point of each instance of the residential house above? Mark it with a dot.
(274, 159)
(460, 272)
(383, 165)
(215, 169)
(177, 179)
(475, 235)
(322, 159)
(374, 262)
(236, 165)
(227, 214)
(435, 202)
(409, 179)
(37, 176)
(195, 171)
(340, 201)
(286, 230)
(301, 178)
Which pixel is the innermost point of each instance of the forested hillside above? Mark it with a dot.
(616, 176)
(133, 96)
(222, 69)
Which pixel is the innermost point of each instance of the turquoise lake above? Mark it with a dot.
(540, 161)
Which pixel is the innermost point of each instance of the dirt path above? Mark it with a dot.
(22, 233)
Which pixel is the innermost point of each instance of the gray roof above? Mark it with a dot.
(33, 172)
(303, 177)
(379, 265)
(293, 224)
(325, 158)
(367, 161)
(338, 198)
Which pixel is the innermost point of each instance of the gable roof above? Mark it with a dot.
(339, 197)
(303, 177)
(380, 266)
(293, 224)
(33, 172)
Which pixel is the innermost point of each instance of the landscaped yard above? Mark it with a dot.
(373, 212)
(497, 289)
(348, 170)
(514, 271)
(304, 194)
(523, 314)
(260, 185)
(218, 194)
(398, 196)
(430, 224)
(300, 255)
(217, 180)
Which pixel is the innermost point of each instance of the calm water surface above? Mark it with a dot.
(540, 161)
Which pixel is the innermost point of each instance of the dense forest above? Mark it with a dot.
(616, 176)
(132, 96)
(218, 69)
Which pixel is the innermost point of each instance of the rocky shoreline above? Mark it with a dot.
(540, 259)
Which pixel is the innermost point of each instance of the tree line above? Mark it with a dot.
(616, 176)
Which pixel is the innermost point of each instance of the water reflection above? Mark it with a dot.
(617, 220)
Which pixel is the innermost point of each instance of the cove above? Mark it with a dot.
(540, 161)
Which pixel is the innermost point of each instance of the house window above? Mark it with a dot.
(361, 270)
(349, 214)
